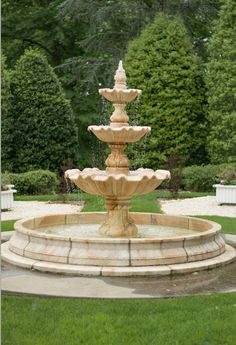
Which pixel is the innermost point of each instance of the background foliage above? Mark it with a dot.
(221, 82)
(5, 113)
(84, 40)
(162, 63)
(42, 129)
(33, 182)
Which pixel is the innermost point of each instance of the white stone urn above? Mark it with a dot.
(225, 194)
(7, 198)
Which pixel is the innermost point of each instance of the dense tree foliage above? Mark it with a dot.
(43, 131)
(162, 63)
(84, 40)
(35, 24)
(5, 113)
(221, 81)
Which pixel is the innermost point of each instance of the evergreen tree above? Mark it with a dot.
(221, 82)
(5, 102)
(161, 63)
(43, 130)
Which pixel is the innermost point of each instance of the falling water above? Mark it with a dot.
(143, 151)
(105, 113)
(72, 188)
(93, 153)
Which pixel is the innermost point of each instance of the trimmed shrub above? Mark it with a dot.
(201, 178)
(33, 182)
(42, 127)
(228, 176)
(162, 63)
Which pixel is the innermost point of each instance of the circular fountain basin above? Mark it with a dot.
(69, 244)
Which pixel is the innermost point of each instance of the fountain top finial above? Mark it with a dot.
(120, 77)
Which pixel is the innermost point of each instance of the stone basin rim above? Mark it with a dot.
(120, 90)
(21, 227)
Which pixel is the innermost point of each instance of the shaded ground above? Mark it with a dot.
(17, 280)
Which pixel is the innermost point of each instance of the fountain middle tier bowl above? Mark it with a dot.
(120, 96)
(125, 134)
(101, 182)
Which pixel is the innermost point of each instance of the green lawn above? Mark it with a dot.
(7, 225)
(198, 320)
(228, 224)
(78, 196)
(144, 203)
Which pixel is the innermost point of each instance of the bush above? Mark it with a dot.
(42, 125)
(201, 178)
(228, 176)
(33, 182)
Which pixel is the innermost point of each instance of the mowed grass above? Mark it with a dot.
(228, 224)
(198, 320)
(78, 196)
(143, 203)
(94, 203)
(8, 225)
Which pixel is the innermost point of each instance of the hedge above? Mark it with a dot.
(201, 178)
(33, 182)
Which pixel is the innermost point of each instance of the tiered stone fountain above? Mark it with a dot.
(117, 242)
(118, 184)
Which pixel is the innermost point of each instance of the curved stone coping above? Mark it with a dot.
(29, 242)
(227, 257)
(205, 227)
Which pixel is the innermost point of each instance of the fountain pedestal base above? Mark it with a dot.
(118, 223)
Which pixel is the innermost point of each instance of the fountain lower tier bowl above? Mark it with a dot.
(101, 182)
(42, 244)
(125, 134)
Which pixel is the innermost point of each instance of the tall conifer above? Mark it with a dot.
(162, 63)
(5, 113)
(221, 82)
(43, 130)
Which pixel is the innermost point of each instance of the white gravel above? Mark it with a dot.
(25, 209)
(195, 206)
(206, 205)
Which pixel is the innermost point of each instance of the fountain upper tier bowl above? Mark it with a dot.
(125, 134)
(101, 182)
(120, 96)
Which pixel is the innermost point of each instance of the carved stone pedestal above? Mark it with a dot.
(118, 222)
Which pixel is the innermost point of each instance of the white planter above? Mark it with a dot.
(225, 194)
(7, 198)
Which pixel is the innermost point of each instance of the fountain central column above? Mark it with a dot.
(118, 223)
